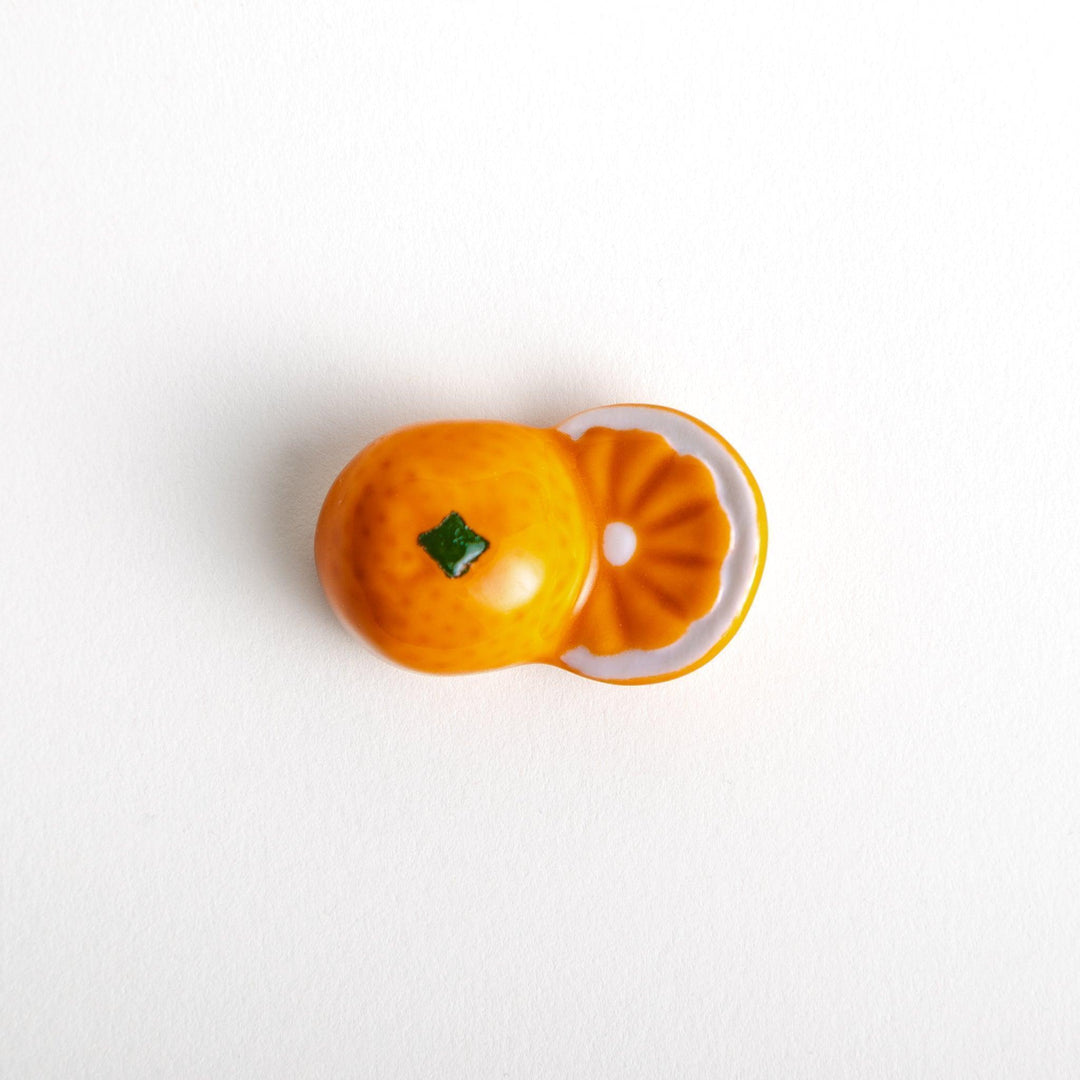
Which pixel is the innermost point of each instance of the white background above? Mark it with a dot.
(239, 240)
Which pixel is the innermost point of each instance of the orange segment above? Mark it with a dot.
(682, 534)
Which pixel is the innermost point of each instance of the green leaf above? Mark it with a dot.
(453, 545)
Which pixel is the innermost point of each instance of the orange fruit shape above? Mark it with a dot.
(513, 488)
(625, 545)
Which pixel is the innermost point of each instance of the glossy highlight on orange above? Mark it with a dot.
(625, 545)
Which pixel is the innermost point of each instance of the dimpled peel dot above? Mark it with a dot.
(625, 545)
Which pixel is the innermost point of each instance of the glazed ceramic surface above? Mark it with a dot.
(625, 545)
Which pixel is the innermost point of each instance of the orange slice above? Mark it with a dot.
(684, 536)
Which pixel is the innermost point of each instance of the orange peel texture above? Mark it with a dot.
(626, 545)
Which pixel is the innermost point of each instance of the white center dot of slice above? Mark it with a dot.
(620, 542)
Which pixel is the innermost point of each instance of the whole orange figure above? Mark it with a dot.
(625, 545)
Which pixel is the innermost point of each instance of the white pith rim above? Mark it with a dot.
(740, 564)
